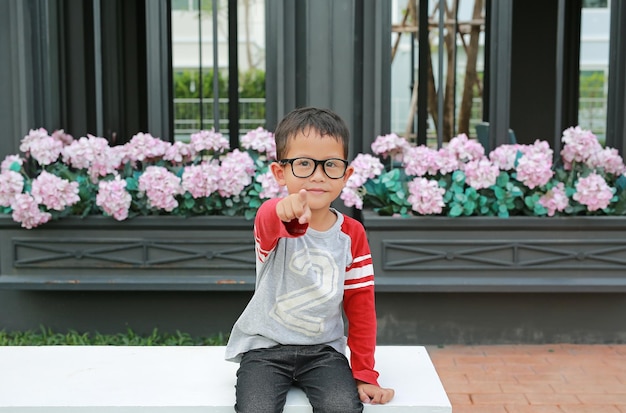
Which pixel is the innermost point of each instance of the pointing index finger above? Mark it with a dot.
(306, 215)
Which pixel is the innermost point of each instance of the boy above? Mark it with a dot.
(313, 263)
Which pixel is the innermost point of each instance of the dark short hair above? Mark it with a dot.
(301, 120)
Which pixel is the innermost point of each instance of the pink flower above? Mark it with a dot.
(480, 173)
(594, 192)
(11, 163)
(201, 180)
(94, 154)
(271, 189)
(80, 154)
(144, 146)
(120, 152)
(365, 167)
(351, 197)
(390, 145)
(161, 187)
(607, 159)
(446, 161)
(46, 150)
(465, 149)
(54, 192)
(32, 139)
(534, 168)
(43, 148)
(425, 196)
(420, 160)
(504, 156)
(261, 141)
(113, 198)
(11, 184)
(555, 199)
(235, 173)
(64, 138)
(179, 152)
(26, 210)
(579, 145)
(209, 140)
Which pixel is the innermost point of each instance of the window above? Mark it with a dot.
(202, 49)
(455, 59)
(596, 4)
(594, 67)
(184, 4)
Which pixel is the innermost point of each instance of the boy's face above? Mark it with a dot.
(321, 189)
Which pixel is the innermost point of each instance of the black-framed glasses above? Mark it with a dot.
(334, 168)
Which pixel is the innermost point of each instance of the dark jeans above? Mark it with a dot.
(266, 375)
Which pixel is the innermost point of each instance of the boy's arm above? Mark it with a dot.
(269, 228)
(361, 315)
(359, 306)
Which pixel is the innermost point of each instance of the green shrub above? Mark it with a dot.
(47, 337)
(187, 86)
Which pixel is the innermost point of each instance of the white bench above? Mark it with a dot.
(98, 379)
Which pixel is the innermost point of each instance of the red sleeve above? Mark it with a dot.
(268, 228)
(359, 305)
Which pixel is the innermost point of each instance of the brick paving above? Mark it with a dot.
(558, 378)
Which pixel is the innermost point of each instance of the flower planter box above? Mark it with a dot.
(418, 254)
(143, 253)
(484, 254)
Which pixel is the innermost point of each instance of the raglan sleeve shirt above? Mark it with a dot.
(358, 281)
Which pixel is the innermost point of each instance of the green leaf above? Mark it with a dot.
(189, 202)
(499, 193)
(391, 176)
(502, 179)
(458, 176)
(385, 211)
(539, 209)
(456, 210)
(255, 203)
(469, 208)
(460, 197)
(457, 188)
(397, 198)
(132, 184)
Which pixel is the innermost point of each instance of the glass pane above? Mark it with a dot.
(193, 46)
(463, 51)
(596, 3)
(594, 67)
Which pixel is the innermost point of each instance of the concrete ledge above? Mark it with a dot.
(98, 379)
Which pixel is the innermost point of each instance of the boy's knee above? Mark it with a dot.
(258, 406)
(335, 403)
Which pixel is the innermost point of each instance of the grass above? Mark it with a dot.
(47, 337)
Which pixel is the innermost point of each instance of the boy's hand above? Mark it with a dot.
(373, 394)
(294, 206)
